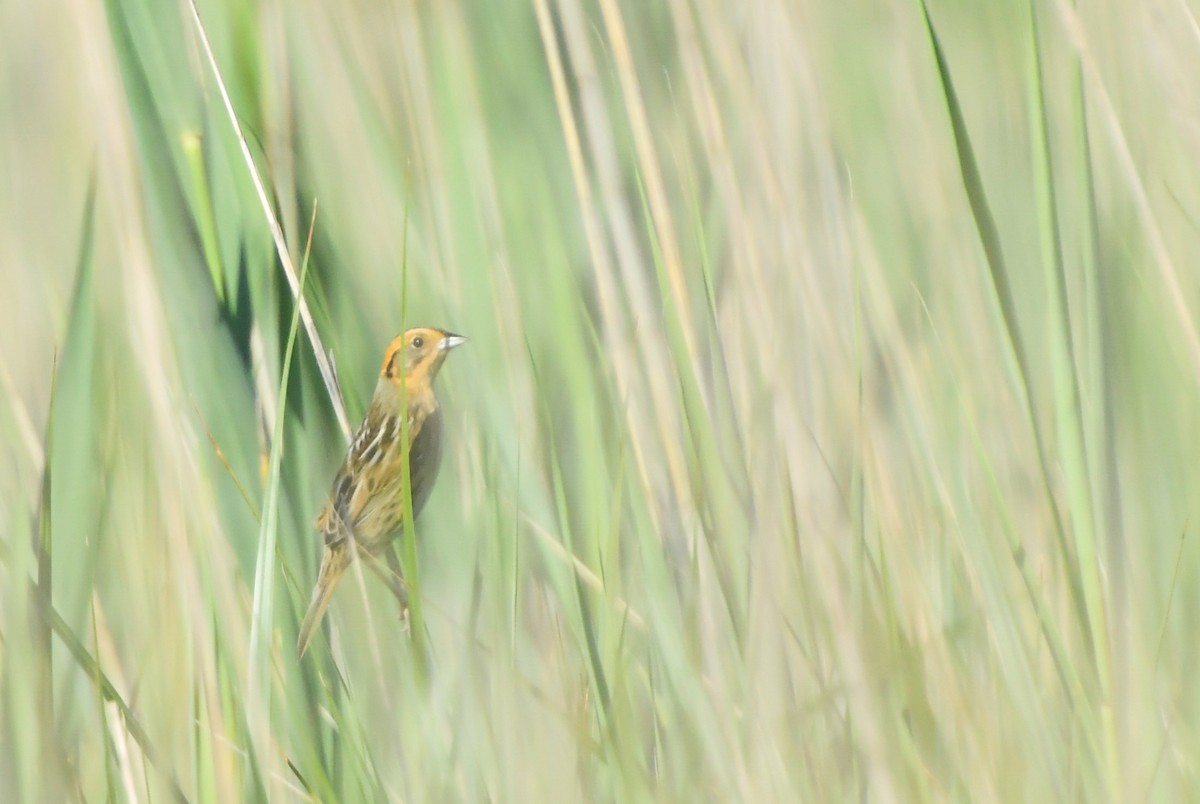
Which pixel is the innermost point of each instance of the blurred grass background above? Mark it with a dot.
(827, 429)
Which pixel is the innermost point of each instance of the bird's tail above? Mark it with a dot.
(333, 564)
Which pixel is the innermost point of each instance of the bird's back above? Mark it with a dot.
(367, 498)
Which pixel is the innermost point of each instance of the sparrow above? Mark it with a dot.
(366, 501)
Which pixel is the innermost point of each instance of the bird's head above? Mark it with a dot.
(418, 354)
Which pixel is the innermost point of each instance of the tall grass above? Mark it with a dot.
(827, 429)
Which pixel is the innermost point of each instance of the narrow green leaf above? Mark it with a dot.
(989, 237)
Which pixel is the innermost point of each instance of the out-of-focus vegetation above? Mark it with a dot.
(827, 429)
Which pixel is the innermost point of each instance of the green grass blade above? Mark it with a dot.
(262, 632)
(989, 237)
(1069, 409)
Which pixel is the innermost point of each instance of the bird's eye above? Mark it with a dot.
(418, 342)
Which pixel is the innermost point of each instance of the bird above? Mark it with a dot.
(365, 509)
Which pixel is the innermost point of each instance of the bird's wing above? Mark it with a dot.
(366, 473)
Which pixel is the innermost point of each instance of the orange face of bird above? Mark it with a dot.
(419, 351)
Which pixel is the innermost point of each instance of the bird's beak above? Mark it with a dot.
(450, 341)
